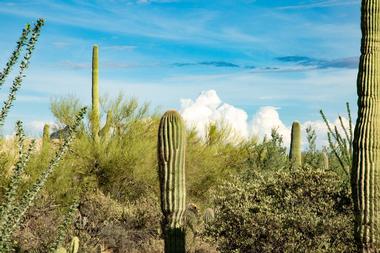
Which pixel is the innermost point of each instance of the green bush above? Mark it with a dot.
(301, 210)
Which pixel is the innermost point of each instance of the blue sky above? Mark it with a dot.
(298, 56)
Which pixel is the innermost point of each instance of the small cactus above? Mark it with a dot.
(46, 136)
(295, 145)
(191, 227)
(74, 247)
(325, 160)
(208, 216)
(171, 172)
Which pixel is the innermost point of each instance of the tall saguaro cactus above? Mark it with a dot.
(171, 172)
(95, 114)
(295, 144)
(365, 175)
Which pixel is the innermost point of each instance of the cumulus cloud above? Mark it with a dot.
(265, 120)
(209, 108)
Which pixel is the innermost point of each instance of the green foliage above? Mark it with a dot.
(171, 173)
(312, 157)
(62, 229)
(341, 145)
(9, 211)
(298, 210)
(126, 112)
(12, 212)
(15, 54)
(64, 109)
(33, 37)
(268, 156)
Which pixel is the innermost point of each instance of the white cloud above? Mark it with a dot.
(209, 108)
(265, 120)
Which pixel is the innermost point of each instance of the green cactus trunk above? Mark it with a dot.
(95, 114)
(45, 137)
(171, 172)
(295, 145)
(325, 158)
(366, 146)
(106, 130)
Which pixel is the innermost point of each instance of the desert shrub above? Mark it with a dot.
(105, 224)
(299, 210)
(37, 234)
(64, 109)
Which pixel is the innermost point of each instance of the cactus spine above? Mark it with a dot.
(365, 175)
(295, 145)
(95, 114)
(171, 172)
(45, 136)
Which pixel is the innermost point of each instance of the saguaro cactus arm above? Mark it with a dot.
(171, 171)
(365, 175)
(105, 131)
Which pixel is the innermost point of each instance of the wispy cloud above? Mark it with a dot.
(292, 64)
(189, 26)
(120, 47)
(348, 62)
(155, 1)
(223, 64)
(320, 4)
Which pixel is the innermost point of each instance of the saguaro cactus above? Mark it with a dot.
(295, 144)
(171, 172)
(46, 136)
(325, 158)
(365, 175)
(95, 114)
